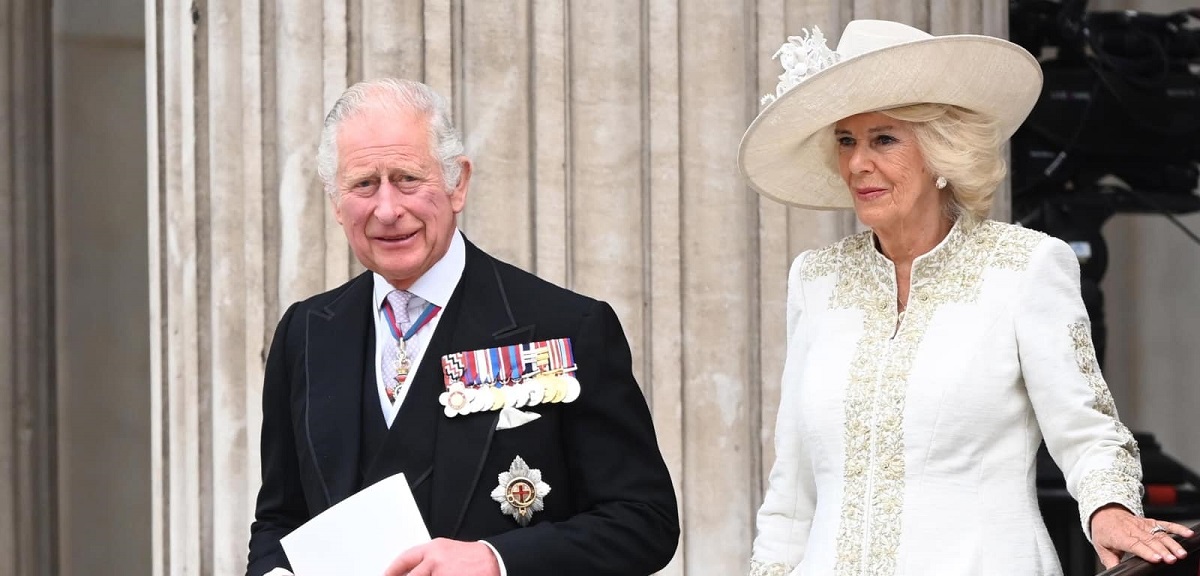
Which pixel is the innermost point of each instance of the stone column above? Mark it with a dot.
(28, 508)
(604, 136)
(238, 224)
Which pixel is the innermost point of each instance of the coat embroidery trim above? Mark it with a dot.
(869, 528)
(1120, 483)
(773, 569)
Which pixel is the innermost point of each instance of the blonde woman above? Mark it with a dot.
(928, 357)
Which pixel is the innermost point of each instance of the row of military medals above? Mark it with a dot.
(510, 376)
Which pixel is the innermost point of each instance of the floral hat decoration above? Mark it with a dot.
(786, 152)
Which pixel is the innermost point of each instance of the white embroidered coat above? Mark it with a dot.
(914, 454)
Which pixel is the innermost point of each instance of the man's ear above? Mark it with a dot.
(458, 195)
(337, 206)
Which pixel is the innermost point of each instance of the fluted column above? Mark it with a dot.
(604, 136)
(28, 508)
(238, 227)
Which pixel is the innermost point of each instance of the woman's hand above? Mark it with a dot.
(1116, 530)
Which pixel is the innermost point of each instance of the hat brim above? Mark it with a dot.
(786, 154)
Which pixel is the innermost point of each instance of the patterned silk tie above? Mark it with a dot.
(393, 354)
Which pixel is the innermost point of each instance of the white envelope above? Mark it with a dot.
(361, 535)
(511, 418)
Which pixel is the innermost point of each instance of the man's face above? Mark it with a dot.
(391, 198)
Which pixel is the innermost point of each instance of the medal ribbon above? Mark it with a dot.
(529, 358)
(426, 316)
(471, 375)
(568, 355)
(496, 369)
(452, 368)
(505, 362)
(514, 362)
(556, 356)
(483, 367)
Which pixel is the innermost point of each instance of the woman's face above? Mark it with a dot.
(882, 165)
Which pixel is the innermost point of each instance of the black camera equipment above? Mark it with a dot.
(1116, 129)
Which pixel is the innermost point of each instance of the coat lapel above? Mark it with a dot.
(337, 336)
(462, 442)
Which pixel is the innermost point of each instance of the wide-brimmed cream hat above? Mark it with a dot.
(787, 152)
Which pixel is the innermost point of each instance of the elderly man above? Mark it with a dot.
(456, 369)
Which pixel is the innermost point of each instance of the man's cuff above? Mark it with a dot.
(499, 560)
(286, 572)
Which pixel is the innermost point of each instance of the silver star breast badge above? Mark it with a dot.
(520, 491)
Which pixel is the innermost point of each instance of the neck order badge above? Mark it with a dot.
(405, 363)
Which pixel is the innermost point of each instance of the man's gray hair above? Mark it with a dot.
(445, 142)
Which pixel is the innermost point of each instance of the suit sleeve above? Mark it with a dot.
(786, 513)
(281, 506)
(1074, 408)
(629, 524)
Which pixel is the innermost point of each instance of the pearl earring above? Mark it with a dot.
(940, 182)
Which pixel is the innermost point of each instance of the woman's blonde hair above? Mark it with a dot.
(962, 146)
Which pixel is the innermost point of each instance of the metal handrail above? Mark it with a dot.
(1189, 566)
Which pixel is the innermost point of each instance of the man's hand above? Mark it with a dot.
(445, 557)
